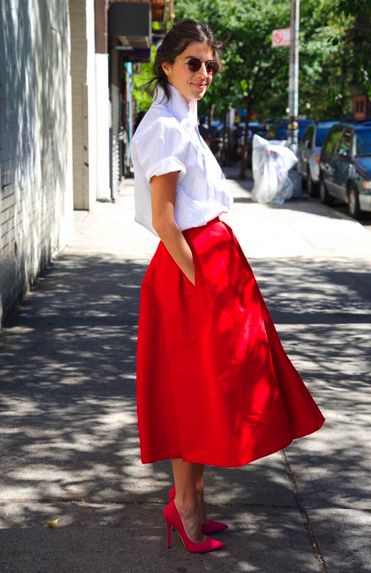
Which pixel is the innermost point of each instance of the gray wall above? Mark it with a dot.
(36, 195)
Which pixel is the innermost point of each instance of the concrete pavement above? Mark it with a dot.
(68, 426)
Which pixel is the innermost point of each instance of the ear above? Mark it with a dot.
(166, 67)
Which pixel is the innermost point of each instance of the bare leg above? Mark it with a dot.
(200, 483)
(186, 499)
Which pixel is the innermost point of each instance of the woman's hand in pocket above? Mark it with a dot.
(163, 194)
(190, 274)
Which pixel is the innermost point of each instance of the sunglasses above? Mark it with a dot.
(194, 64)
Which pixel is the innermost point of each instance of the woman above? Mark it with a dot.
(214, 385)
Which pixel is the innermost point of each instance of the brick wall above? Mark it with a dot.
(36, 205)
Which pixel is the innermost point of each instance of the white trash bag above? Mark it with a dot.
(271, 162)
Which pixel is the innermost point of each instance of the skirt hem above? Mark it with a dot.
(249, 459)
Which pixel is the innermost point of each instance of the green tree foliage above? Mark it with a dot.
(322, 80)
(253, 71)
(335, 54)
(357, 40)
(142, 91)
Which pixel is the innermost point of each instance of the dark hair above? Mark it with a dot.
(175, 42)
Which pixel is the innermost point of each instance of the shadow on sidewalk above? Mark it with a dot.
(68, 420)
(67, 388)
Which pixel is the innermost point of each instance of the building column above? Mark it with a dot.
(116, 115)
(103, 106)
(83, 102)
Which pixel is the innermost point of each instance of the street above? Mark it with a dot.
(68, 423)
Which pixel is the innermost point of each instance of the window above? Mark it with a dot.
(360, 106)
(345, 143)
(308, 137)
(320, 135)
(332, 140)
(363, 142)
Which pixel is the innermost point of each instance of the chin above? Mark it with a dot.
(199, 95)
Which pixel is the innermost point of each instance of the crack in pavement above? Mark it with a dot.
(304, 514)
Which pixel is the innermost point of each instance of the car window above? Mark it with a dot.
(332, 140)
(363, 142)
(306, 140)
(320, 135)
(282, 132)
(345, 144)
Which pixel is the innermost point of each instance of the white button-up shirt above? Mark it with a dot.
(166, 140)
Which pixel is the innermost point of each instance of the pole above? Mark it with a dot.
(294, 74)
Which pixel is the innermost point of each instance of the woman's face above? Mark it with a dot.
(192, 85)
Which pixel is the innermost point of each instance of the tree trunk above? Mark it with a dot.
(243, 165)
(225, 138)
(211, 114)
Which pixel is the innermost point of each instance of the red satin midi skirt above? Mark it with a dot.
(214, 384)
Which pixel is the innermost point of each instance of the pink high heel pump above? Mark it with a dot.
(209, 526)
(173, 519)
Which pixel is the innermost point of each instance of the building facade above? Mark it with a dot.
(36, 201)
(63, 104)
(361, 106)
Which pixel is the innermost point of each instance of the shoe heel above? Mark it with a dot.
(168, 525)
(173, 518)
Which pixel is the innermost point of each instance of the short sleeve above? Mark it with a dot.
(161, 148)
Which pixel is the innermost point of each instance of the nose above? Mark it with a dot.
(203, 71)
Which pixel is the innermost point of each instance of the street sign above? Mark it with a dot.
(281, 37)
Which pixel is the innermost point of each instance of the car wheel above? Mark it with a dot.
(324, 195)
(304, 180)
(311, 186)
(353, 202)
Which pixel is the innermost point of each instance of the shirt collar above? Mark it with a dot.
(180, 108)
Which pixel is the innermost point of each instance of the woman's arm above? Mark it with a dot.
(163, 193)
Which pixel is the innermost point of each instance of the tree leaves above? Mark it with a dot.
(335, 51)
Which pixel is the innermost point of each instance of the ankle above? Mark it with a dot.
(199, 486)
(190, 517)
(186, 506)
(201, 503)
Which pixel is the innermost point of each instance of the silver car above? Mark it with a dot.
(345, 168)
(309, 151)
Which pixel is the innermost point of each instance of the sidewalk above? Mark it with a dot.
(67, 398)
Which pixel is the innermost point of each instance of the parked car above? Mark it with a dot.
(345, 167)
(309, 154)
(279, 129)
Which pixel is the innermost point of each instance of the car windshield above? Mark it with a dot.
(364, 142)
(320, 135)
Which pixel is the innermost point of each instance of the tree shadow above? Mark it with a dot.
(68, 417)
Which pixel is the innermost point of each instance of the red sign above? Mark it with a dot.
(281, 37)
